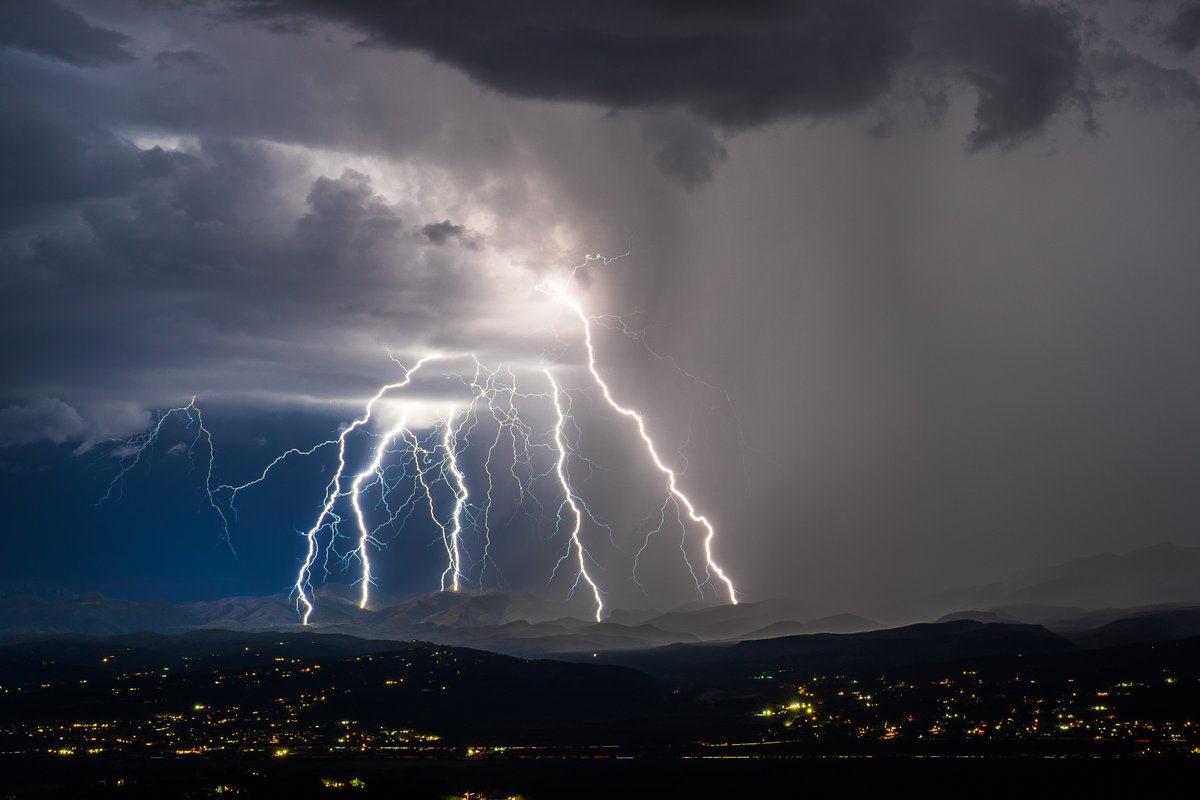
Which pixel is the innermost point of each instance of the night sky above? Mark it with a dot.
(910, 294)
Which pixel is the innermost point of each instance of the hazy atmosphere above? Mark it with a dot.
(905, 292)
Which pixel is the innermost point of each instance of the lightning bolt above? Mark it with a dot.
(295, 451)
(333, 491)
(419, 475)
(436, 460)
(143, 442)
(710, 565)
(570, 500)
(449, 445)
(364, 537)
(503, 418)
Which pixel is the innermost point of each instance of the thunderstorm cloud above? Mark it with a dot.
(744, 64)
(938, 254)
(58, 32)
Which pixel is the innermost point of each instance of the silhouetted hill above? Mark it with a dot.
(470, 695)
(838, 623)
(247, 613)
(823, 653)
(1158, 575)
(1165, 573)
(1138, 628)
(91, 614)
(464, 609)
(1107, 627)
(513, 624)
(1069, 598)
(725, 621)
(1026, 613)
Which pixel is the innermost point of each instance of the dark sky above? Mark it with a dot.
(939, 256)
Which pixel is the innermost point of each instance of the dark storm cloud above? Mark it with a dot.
(1128, 75)
(1183, 32)
(1024, 62)
(738, 65)
(684, 151)
(53, 156)
(199, 217)
(882, 128)
(50, 419)
(42, 418)
(49, 29)
(204, 256)
(187, 60)
(200, 258)
(443, 232)
(347, 222)
(940, 353)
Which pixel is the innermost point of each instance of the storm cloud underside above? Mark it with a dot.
(938, 253)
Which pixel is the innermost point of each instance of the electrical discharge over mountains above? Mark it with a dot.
(411, 455)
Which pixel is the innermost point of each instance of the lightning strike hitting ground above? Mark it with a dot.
(449, 444)
(569, 500)
(364, 537)
(333, 491)
(710, 565)
(433, 466)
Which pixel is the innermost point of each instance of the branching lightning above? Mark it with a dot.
(137, 446)
(429, 465)
(449, 445)
(639, 421)
(333, 492)
(364, 536)
(569, 499)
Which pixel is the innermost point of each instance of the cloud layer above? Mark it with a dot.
(940, 253)
(745, 64)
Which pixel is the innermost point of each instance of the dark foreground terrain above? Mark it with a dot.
(944, 709)
(640, 778)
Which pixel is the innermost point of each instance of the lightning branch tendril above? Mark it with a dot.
(137, 446)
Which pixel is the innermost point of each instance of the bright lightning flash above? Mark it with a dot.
(429, 463)
(639, 421)
(569, 500)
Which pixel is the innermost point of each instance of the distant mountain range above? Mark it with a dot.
(1164, 574)
(514, 624)
(926, 643)
(1102, 600)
